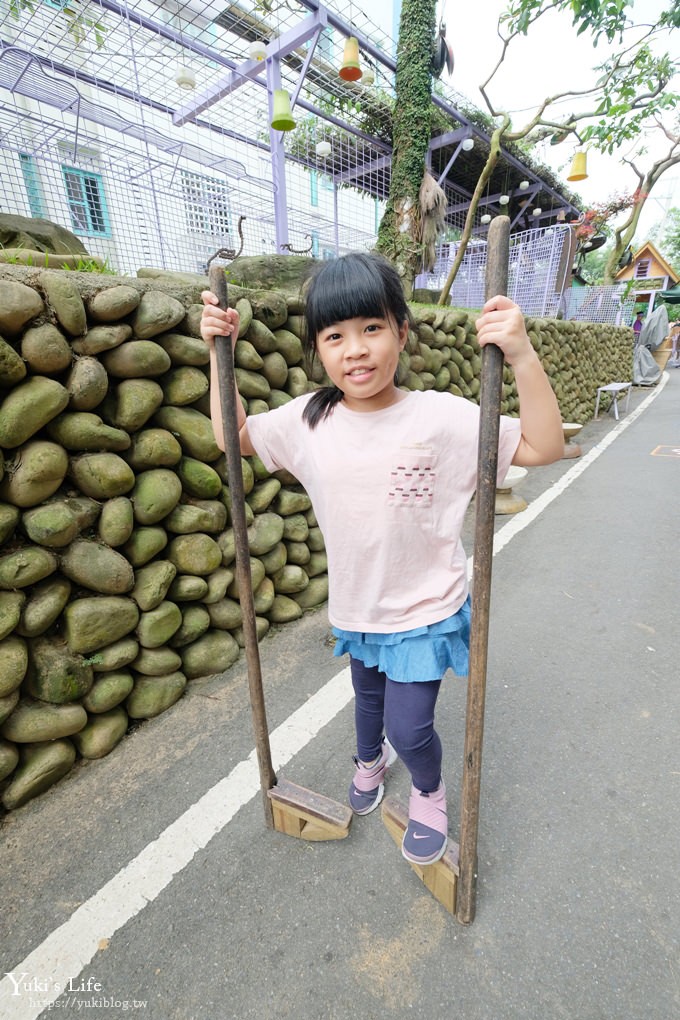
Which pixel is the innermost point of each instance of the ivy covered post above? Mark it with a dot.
(399, 236)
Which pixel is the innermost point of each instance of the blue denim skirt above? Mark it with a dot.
(421, 654)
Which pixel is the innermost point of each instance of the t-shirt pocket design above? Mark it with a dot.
(412, 478)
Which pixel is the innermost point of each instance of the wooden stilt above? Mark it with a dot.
(287, 808)
(441, 878)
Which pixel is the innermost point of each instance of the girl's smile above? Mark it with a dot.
(360, 357)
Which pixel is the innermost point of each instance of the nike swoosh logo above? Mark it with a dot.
(417, 835)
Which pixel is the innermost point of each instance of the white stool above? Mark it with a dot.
(616, 389)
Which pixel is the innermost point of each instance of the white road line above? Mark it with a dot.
(68, 949)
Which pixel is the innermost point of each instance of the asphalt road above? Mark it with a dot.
(578, 904)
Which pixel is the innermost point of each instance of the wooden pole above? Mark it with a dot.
(487, 467)
(228, 397)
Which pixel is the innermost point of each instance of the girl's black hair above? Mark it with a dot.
(361, 284)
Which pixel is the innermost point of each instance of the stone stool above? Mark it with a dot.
(571, 429)
(507, 502)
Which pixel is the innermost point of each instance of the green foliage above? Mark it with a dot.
(79, 26)
(666, 236)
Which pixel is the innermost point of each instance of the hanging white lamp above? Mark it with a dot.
(523, 185)
(504, 199)
(257, 50)
(485, 218)
(537, 211)
(185, 77)
(467, 144)
(323, 149)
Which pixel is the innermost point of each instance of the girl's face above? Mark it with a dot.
(360, 357)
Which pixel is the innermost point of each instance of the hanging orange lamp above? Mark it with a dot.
(282, 119)
(578, 170)
(351, 69)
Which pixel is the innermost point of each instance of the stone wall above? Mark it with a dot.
(117, 583)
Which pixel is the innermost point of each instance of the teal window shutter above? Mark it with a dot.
(86, 202)
(31, 177)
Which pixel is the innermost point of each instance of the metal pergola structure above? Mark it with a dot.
(112, 77)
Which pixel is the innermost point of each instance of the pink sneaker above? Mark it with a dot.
(366, 790)
(426, 835)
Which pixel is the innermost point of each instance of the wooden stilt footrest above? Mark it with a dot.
(306, 815)
(441, 879)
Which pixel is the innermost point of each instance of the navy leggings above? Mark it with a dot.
(405, 713)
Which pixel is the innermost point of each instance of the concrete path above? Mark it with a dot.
(149, 879)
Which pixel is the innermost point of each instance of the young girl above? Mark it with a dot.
(390, 474)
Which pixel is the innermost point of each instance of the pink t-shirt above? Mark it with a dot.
(390, 489)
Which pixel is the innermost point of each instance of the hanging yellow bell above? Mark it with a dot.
(282, 119)
(578, 170)
(351, 69)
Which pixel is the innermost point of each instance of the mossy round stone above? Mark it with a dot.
(9, 758)
(41, 765)
(263, 494)
(251, 385)
(187, 588)
(18, 305)
(102, 733)
(157, 626)
(144, 544)
(275, 370)
(295, 528)
(96, 566)
(245, 313)
(153, 448)
(113, 303)
(93, 623)
(289, 346)
(35, 473)
(46, 350)
(184, 350)
(131, 404)
(102, 338)
(262, 625)
(212, 653)
(315, 540)
(290, 578)
(108, 690)
(116, 521)
(13, 664)
(53, 524)
(12, 367)
(156, 313)
(265, 533)
(87, 384)
(317, 564)
(152, 695)
(184, 385)
(136, 359)
(157, 661)
(84, 432)
(298, 553)
(193, 430)
(9, 518)
(284, 610)
(245, 356)
(195, 554)
(155, 494)
(274, 560)
(256, 578)
(56, 674)
(113, 657)
(197, 515)
(289, 502)
(225, 614)
(195, 622)
(102, 475)
(261, 337)
(28, 407)
(218, 582)
(264, 595)
(66, 302)
(152, 583)
(44, 606)
(25, 567)
(198, 479)
(33, 721)
(11, 605)
(315, 594)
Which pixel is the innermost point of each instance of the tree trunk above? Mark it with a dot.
(399, 236)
